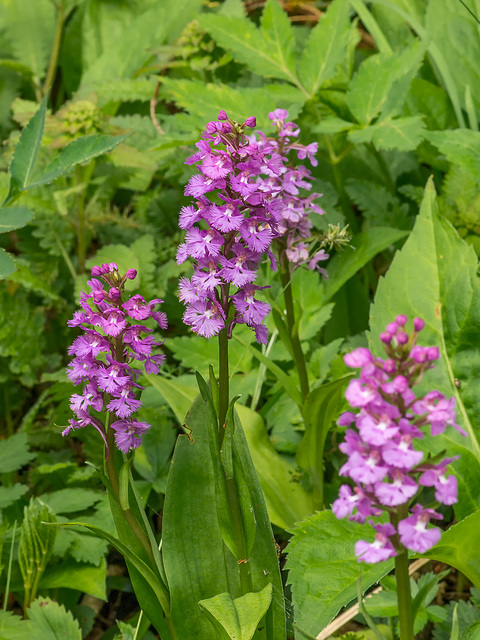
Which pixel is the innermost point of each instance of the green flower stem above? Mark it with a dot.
(404, 596)
(298, 356)
(231, 485)
(127, 513)
(52, 65)
(223, 383)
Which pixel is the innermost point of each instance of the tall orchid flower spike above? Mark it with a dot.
(388, 472)
(112, 341)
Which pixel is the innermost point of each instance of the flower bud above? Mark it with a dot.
(418, 324)
(251, 122)
(222, 115)
(131, 274)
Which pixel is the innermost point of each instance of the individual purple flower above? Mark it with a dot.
(104, 355)
(413, 530)
(380, 443)
(382, 547)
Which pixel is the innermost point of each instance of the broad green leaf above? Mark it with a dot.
(198, 564)
(458, 548)
(460, 147)
(326, 47)
(25, 154)
(434, 277)
(267, 51)
(380, 86)
(204, 100)
(9, 495)
(14, 218)
(7, 264)
(14, 453)
(71, 500)
(324, 571)
(238, 617)
(432, 102)
(52, 621)
(77, 152)
(365, 245)
(70, 574)
(287, 502)
(321, 408)
(404, 134)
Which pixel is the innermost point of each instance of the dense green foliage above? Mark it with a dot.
(100, 104)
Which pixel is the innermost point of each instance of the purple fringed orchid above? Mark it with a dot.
(245, 196)
(388, 471)
(111, 343)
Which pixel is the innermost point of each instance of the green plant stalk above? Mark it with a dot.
(231, 485)
(404, 596)
(52, 65)
(127, 513)
(286, 279)
(223, 383)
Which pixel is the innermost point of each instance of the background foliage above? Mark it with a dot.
(390, 90)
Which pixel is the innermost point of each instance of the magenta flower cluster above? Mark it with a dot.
(387, 470)
(243, 195)
(294, 226)
(112, 341)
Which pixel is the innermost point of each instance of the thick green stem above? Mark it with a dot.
(404, 596)
(223, 383)
(298, 356)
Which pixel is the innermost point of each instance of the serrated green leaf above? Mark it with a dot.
(365, 246)
(460, 146)
(13, 627)
(238, 617)
(52, 621)
(77, 152)
(204, 100)
(332, 124)
(380, 86)
(404, 134)
(14, 453)
(259, 49)
(7, 264)
(323, 568)
(9, 495)
(25, 154)
(14, 218)
(326, 47)
(379, 205)
(434, 277)
(31, 28)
